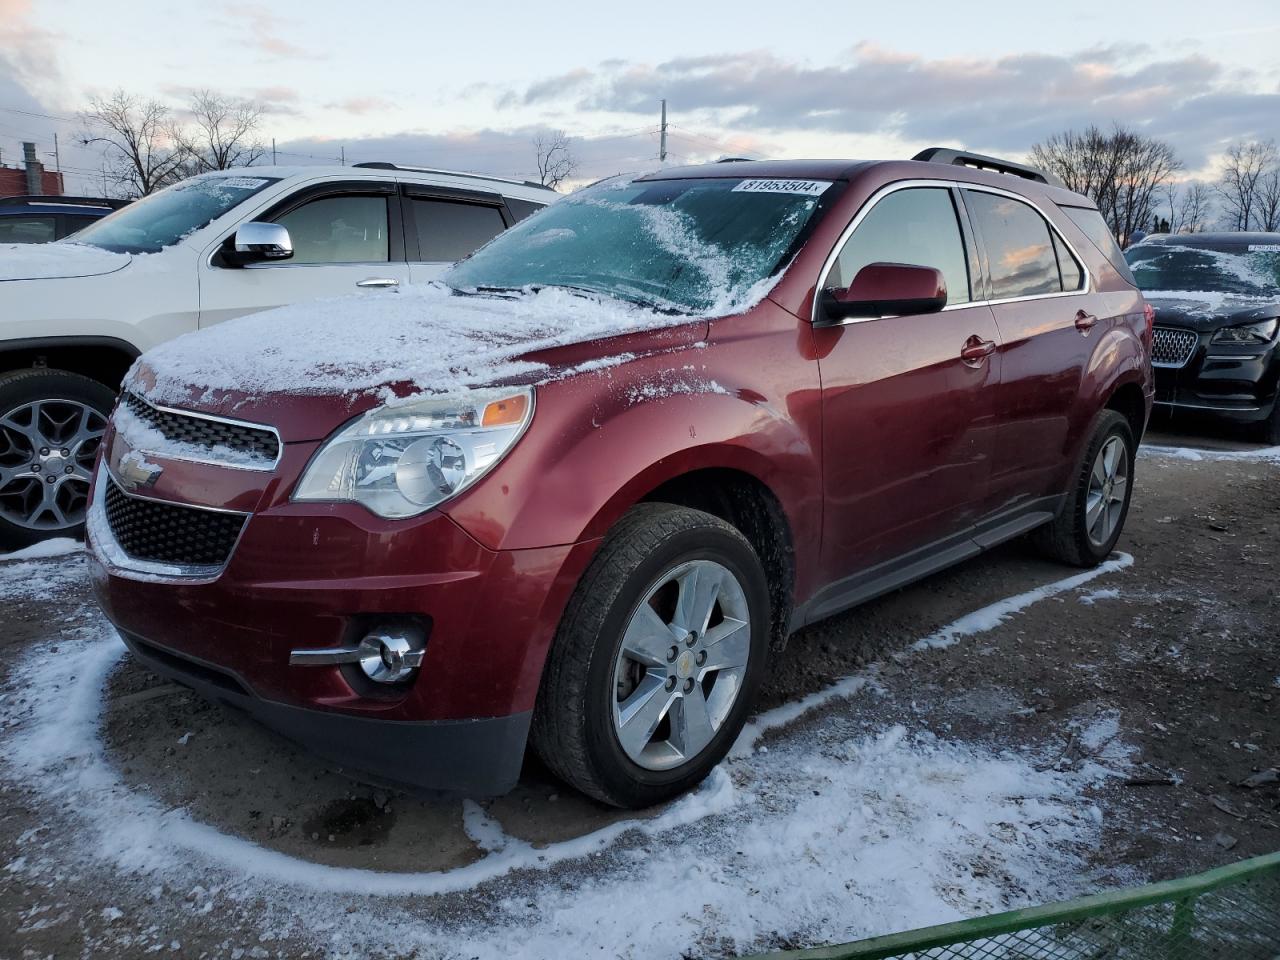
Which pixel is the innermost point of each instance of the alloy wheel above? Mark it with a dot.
(47, 449)
(681, 664)
(1108, 486)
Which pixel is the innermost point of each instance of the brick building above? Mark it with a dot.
(30, 178)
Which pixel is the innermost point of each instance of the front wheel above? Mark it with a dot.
(657, 658)
(51, 425)
(1092, 519)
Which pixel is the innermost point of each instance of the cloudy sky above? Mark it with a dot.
(469, 85)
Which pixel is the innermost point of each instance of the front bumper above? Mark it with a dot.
(1239, 384)
(321, 575)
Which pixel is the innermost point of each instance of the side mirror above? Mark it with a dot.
(256, 242)
(887, 289)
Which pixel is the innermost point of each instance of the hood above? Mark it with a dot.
(306, 369)
(1207, 311)
(59, 260)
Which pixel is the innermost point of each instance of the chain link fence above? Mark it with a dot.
(1232, 913)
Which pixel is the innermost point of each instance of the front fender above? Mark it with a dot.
(600, 441)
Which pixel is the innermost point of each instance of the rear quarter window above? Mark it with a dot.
(1095, 228)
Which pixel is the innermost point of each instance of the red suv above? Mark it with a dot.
(580, 493)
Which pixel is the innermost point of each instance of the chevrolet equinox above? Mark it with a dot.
(580, 492)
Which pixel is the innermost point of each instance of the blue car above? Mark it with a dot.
(29, 219)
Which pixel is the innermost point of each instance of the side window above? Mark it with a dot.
(26, 229)
(522, 208)
(71, 223)
(1068, 266)
(917, 226)
(1095, 228)
(1019, 248)
(450, 230)
(339, 229)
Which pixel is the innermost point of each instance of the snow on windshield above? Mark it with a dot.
(1174, 270)
(693, 245)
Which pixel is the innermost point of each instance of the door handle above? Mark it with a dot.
(1085, 321)
(975, 350)
(378, 282)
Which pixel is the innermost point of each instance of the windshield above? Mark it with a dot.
(162, 219)
(1236, 268)
(693, 246)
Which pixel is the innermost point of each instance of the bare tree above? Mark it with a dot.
(1269, 200)
(556, 162)
(1189, 207)
(141, 155)
(221, 134)
(1122, 171)
(1245, 168)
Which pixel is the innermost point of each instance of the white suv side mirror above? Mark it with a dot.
(255, 242)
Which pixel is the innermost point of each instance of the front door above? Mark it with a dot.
(345, 241)
(908, 423)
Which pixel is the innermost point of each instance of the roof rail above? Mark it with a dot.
(979, 161)
(384, 165)
(28, 200)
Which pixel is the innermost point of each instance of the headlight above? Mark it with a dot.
(1260, 332)
(402, 460)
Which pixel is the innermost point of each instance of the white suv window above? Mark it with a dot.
(339, 229)
(450, 230)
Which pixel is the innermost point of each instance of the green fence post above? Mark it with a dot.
(1184, 918)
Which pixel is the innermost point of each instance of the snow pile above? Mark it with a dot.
(45, 549)
(41, 261)
(1196, 454)
(425, 336)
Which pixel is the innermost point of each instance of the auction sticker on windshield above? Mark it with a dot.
(242, 183)
(811, 188)
(1264, 248)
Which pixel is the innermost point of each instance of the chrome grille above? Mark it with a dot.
(170, 533)
(1172, 347)
(256, 442)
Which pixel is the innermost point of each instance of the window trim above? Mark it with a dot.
(1085, 287)
(317, 191)
(426, 191)
(971, 237)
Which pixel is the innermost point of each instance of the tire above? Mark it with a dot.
(1269, 429)
(1075, 536)
(52, 411)
(656, 554)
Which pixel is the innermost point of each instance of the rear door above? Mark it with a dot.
(907, 423)
(443, 225)
(347, 239)
(1038, 294)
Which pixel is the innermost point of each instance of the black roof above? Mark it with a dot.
(1216, 239)
(60, 200)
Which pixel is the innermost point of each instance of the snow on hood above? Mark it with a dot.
(49, 261)
(422, 339)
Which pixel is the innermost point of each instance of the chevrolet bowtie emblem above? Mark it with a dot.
(133, 471)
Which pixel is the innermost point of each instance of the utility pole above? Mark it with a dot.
(273, 151)
(342, 155)
(57, 160)
(662, 142)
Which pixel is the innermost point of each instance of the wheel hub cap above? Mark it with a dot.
(1108, 488)
(681, 664)
(47, 449)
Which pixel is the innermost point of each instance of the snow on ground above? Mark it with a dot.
(41, 571)
(832, 833)
(1259, 454)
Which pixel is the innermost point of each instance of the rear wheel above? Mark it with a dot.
(51, 425)
(1092, 519)
(657, 658)
(1270, 432)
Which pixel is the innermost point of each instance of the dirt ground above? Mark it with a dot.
(1165, 673)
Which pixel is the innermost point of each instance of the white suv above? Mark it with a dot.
(76, 313)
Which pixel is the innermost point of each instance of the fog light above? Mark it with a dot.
(389, 657)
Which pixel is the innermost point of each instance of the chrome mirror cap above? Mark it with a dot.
(262, 241)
